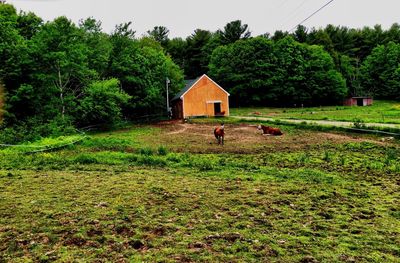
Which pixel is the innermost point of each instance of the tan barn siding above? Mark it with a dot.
(195, 100)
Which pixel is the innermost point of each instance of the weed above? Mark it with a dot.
(359, 123)
(146, 151)
(304, 158)
(162, 150)
(327, 156)
(342, 160)
(85, 159)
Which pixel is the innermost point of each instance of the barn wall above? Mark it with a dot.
(177, 111)
(195, 100)
(350, 102)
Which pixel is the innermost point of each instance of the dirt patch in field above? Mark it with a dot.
(243, 138)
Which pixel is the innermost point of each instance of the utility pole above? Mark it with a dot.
(167, 82)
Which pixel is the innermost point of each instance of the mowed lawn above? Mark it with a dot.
(379, 112)
(168, 193)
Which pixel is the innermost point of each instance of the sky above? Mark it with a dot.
(182, 17)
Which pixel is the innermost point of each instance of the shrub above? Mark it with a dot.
(102, 103)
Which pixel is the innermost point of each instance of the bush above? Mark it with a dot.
(102, 103)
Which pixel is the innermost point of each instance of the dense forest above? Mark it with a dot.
(56, 75)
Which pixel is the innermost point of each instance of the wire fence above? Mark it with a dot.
(48, 147)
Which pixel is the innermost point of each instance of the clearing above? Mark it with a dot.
(167, 193)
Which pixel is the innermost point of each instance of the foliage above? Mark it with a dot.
(195, 65)
(233, 31)
(48, 70)
(47, 66)
(381, 72)
(159, 34)
(261, 72)
(102, 103)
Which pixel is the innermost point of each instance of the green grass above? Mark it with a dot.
(379, 112)
(137, 195)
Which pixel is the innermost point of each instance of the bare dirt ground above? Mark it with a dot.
(246, 138)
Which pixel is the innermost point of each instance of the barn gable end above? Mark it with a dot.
(201, 97)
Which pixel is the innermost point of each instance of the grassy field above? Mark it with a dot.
(379, 112)
(168, 193)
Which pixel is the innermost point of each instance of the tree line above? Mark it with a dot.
(57, 75)
(367, 59)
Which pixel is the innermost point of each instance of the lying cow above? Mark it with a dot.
(270, 130)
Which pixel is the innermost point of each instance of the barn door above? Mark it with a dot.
(217, 108)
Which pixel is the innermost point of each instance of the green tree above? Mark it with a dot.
(62, 65)
(12, 47)
(98, 44)
(28, 24)
(381, 72)
(261, 72)
(195, 64)
(14, 59)
(234, 31)
(246, 69)
(300, 35)
(142, 68)
(159, 34)
(177, 48)
(102, 103)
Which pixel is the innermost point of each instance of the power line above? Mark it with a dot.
(294, 13)
(325, 5)
(279, 5)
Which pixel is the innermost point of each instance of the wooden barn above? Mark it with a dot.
(358, 101)
(200, 97)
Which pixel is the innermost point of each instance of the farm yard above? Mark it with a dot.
(167, 192)
(127, 141)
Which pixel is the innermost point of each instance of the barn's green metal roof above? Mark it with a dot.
(188, 84)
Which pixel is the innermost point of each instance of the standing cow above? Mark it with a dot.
(219, 134)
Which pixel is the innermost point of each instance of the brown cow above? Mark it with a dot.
(220, 134)
(270, 130)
